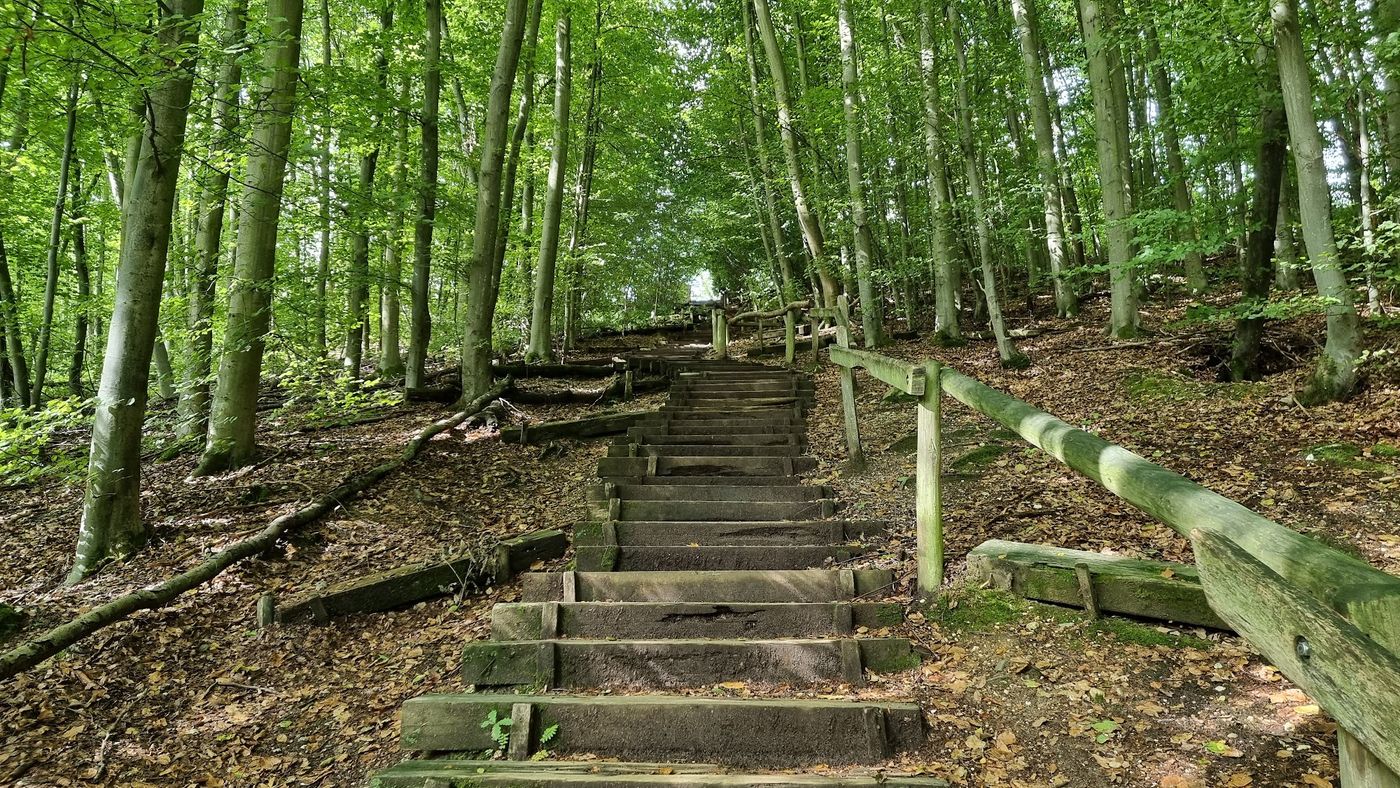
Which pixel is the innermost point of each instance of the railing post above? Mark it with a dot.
(1357, 767)
(790, 337)
(848, 393)
(719, 334)
(816, 338)
(928, 506)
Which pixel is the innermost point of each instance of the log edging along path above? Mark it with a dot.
(54, 641)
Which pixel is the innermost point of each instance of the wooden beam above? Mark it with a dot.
(903, 375)
(1352, 676)
(1150, 589)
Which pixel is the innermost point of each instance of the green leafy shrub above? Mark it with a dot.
(48, 443)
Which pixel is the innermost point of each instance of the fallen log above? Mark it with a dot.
(405, 585)
(35, 651)
(591, 427)
(615, 390)
(576, 369)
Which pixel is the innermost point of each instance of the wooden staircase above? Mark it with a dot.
(707, 561)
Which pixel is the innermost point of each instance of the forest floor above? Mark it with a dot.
(1019, 694)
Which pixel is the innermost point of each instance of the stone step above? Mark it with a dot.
(758, 390)
(690, 492)
(613, 774)
(701, 450)
(779, 534)
(609, 467)
(624, 558)
(717, 511)
(721, 407)
(658, 436)
(793, 585)
(648, 620)
(727, 731)
(672, 663)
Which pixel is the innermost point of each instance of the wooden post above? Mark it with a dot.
(719, 334)
(928, 506)
(759, 344)
(790, 337)
(816, 338)
(848, 395)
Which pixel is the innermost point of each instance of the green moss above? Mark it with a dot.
(1148, 386)
(889, 615)
(1346, 455)
(11, 620)
(1143, 635)
(978, 609)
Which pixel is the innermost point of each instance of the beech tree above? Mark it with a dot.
(112, 525)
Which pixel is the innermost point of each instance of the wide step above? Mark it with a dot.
(679, 663)
(594, 774)
(671, 728)
(798, 585)
(800, 533)
(630, 558)
(717, 511)
(717, 620)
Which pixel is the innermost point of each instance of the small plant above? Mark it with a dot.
(47, 443)
(500, 728)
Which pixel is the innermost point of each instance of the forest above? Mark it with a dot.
(219, 218)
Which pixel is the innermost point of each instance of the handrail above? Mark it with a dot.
(1287, 594)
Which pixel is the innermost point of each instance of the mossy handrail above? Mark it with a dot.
(1328, 620)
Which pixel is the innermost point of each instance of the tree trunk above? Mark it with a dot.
(209, 231)
(481, 296)
(806, 216)
(233, 422)
(42, 345)
(84, 277)
(1176, 167)
(14, 335)
(517, 142)
(390, 356)
(358, 285)
(1387, 14)
(1010, 356)
(1335, 376)
(946, 326)
(765, 167)
(1264, 211)
(111, 524)
(1286, 262)
(323, 250)
(1114, 171)
(592, 130)
(421, 328)
(872, 322)
(1047, 165)
(541, 329)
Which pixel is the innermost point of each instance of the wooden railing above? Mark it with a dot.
(1330, 622)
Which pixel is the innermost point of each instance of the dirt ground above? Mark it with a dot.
(1019, 694)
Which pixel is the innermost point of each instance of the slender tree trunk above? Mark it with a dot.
(421, 328)
(358, 287)
(517, 142)
(481, 296)
(541, 329)
(1264, 210)
(765, 167)
(41, 354)
(1335, 376)
(946, 327)
(1047, 164)
(209, 231)
(806, 216)
(1286, 262)
(1176, 166)
(84, 277)
(323, 251)
(578, 234)
(390, 356)
(1114, 171)
(14, 335)
(1387, 14)
(1006, 350)
(111, 524)
(872, 322)
(233, 422)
